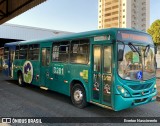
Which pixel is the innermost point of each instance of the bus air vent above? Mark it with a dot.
(140, 86)
(140, 100)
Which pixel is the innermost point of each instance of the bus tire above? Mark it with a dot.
(20, 80)
(78, 96)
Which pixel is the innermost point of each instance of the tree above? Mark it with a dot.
(129, 56)
(154, 31)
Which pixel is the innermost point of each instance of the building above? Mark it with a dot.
(12, 33)
(12, 8)
(124, 14)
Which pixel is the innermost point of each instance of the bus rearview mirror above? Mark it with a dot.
(147, 50)
(120, 54)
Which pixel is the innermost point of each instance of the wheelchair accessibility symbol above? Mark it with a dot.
(139, 75)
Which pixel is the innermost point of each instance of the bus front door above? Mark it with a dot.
(102, 74)
(45, 66)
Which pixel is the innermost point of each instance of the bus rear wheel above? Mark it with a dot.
(20, 80)
(78, 96)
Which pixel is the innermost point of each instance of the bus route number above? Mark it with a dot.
(58, 70)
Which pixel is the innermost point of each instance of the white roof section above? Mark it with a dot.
(19, 32)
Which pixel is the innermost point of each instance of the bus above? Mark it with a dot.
(112, 68)
(1, 57)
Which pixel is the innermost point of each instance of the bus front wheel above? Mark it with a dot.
(20, 80)
(78, 96)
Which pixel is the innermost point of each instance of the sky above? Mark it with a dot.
(70, 15)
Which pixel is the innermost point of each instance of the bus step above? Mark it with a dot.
(44, 88)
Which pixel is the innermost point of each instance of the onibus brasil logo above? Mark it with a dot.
(27, 72)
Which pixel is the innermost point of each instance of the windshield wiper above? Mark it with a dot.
(133, 48)
(147, 50)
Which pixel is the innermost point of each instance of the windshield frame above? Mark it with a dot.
(143, 64)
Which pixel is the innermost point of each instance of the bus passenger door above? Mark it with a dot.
(11, 59)
(102, 74)
(6, 61)
(9, 56)
(45, 69)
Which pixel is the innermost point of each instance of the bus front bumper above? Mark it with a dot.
(124, 103)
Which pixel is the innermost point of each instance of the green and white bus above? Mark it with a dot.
(112, 68)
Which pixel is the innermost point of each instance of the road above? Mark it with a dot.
(32, 101)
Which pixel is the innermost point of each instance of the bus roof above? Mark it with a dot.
(87, 34)
(11, 44)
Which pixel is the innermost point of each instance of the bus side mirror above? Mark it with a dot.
(120, 54)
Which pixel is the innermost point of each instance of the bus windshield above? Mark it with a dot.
(137, 65)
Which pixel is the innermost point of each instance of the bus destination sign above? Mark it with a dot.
(133, 36)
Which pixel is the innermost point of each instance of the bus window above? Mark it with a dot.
(60, 51)
(23, 52)
(6, 53)
(33, 53)
(97, 58)
(80, 51)
(45, 56)
(48, 56)
(107, 59)
(17, 52)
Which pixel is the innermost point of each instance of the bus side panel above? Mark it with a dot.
(36, 72)
(81, 73)
(18, 67)
(6, 67)
(60, 78)
(72, 72)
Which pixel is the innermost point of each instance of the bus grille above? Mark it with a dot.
(140, 86)
(140, 100)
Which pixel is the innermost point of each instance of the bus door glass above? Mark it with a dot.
(6, 61)
(102, 74)
(11, 59)
(45, 62)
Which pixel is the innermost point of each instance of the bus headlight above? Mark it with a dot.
(154, 89)
(123, 91)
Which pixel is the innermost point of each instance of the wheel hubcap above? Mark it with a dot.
(78, 95)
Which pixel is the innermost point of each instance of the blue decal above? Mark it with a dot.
(139, 75)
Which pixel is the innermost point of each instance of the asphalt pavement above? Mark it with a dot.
(31, 101)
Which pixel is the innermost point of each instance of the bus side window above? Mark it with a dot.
(23, 52)
(60, 51)
(80, 51)
(33, 53)
(17, 52)
(6, 52)
(47, 56)
(55, 53)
